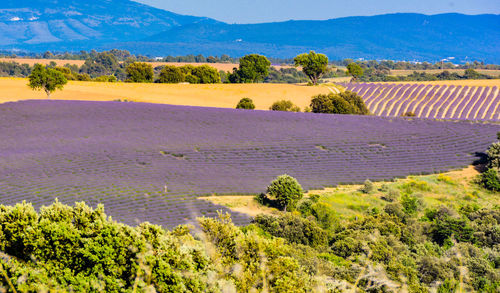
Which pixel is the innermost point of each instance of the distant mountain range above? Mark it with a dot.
(39, 25)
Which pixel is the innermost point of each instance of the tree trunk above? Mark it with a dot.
(48, 94)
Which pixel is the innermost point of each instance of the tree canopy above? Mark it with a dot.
(140, 72)
(253, 68)
(245, 103)
(47, 79)
(354, 70)
(314, 65)
(286, 190)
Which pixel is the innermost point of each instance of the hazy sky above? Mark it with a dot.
(251, 11)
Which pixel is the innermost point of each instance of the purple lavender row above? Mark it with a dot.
(494, 106)
(468, 102)
(439, 107)
(425, 106)
(465, 92)
(475, 107)
(398, 109)
(401, 92)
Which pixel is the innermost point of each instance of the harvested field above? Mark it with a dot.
(210, 95)
(428, 100)
(149, 162)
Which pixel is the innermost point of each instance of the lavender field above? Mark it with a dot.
(430, 101)
(148, 162)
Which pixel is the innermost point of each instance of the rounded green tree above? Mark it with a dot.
(286, 190)
(253, 68)
(313, 65)
(47, 79)
(245, 103)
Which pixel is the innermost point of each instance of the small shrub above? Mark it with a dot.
(368, 187)
(409, 114)
(445, 179)
(245, 103)
(391, 196)
(489, 180)
(284, 105)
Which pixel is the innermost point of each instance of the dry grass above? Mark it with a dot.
(31, 62)
(348, 201)
(240, 203)
(214, 95)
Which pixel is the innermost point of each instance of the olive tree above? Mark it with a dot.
(286, 190)
(313, 65)
(47, 79)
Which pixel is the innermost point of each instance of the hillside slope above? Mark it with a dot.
(392, 36)
(32, 22)
(70, 25)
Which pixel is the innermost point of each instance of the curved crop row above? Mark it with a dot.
(430, 101)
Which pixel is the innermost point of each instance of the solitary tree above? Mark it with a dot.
(140, 72)
(47, 79)
(286, 190)
(253, 68)
(314, 65)
(245, 103)
(354, 70)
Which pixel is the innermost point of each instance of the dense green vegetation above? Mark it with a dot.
(342, 103)
(253, 68)
(421, 234)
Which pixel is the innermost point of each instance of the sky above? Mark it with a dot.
(254, 11)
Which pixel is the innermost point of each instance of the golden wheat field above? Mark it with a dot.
(214, 95)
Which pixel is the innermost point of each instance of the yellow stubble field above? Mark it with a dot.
(213, 95)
